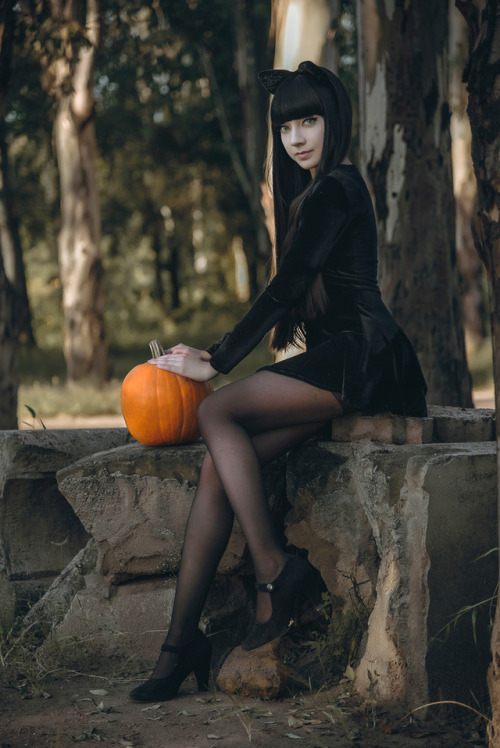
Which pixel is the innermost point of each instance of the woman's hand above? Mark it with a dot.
(189, 362)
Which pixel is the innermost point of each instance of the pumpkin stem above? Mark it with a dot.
(156, 348)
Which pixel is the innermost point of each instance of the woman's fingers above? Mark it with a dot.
(184, 350)
(169, 362)
(190, 366)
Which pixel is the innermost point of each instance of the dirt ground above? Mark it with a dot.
(76, 709)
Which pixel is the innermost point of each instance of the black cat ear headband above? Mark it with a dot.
(271, 79)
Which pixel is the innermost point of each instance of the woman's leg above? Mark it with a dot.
(228, 419)
(245, 425)
(207, 534)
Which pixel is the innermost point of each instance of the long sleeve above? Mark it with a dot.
(324, 218)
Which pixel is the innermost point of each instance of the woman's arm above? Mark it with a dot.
(324, 218)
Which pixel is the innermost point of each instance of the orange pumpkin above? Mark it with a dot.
(159, 407)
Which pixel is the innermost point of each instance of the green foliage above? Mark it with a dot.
(48, 37)
(163, 164)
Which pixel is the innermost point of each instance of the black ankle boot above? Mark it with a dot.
(193, 657)
(295, 578)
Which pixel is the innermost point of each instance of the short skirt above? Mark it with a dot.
(372, 372)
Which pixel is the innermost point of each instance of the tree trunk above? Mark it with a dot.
(9, 316)
(85, 346)
(331, 57)
(301, 30)
(9, 333)
(10, 243)
(254, 142)
(483, 75)
(465, 190)
(405, 147)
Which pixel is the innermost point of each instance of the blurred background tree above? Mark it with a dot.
(175, 180)
(10, 318)
(67, 56)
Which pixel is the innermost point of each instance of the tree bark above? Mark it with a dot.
(471, 269)
(9, 310)
(405, 147)
(254, 142)
(483, 83)
(85, 346)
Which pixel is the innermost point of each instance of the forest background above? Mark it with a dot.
(180, 238)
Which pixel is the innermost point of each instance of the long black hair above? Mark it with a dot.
(304, 93)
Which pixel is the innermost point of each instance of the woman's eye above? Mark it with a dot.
(310, 120)
(284, 128)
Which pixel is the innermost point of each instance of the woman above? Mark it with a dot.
(324, 292)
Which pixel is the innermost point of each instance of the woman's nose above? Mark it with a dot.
(297, 136)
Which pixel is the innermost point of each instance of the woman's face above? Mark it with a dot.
(303, 140)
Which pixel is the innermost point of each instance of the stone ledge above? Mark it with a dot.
(135, 500)
(44, 451)
(443, 424)
(39, 532)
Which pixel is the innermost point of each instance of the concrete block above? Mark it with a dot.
(403, 524)
(39, 532)
(444, 424)
(384, 428)
(135, 500)
(453, 425)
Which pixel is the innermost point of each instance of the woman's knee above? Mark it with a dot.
(212, 412)
(205, 413)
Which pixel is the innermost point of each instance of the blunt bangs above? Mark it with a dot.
(295, 98)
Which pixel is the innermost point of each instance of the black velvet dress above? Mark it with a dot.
(354, 349)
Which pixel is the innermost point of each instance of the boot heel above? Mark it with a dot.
(192, 657)
(202, 675)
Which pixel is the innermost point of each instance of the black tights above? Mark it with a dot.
(245, 426)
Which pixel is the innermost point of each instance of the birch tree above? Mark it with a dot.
(69, 78)
(405, 147)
